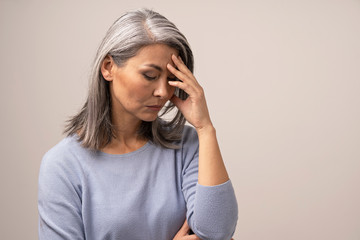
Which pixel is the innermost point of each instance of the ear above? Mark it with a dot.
(107, 68)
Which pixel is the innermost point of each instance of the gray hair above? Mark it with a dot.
(127, 35)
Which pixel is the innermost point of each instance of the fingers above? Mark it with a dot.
(184, 230)
(181, 65)
(183, 233)
(182, 72)
(190, 237)
(181, 76)
(176, 100)
(194, 108)
(187, 81)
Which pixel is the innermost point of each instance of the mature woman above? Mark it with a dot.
(123, 172)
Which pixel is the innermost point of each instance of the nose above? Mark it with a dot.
(163, 90)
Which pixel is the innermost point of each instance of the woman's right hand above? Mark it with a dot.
(183, 233)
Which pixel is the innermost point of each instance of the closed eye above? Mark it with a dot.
(151, 78)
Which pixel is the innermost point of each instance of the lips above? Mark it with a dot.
(155, 107)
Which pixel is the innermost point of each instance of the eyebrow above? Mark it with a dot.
(154, 66)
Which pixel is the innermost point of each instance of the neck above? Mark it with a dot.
(126, 137)
(125, 131)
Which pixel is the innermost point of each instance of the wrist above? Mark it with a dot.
(207, 129)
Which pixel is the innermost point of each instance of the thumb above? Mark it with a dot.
(177, 101)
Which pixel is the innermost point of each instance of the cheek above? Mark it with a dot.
(130, 87)
(140, 93)
(135, 95)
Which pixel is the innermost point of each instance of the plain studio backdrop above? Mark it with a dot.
(282, 81)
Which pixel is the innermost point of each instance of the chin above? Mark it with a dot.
(149, 118)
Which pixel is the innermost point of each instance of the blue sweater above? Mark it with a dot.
(145, 194)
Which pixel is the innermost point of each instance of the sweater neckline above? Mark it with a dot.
(129, 154)
(124, 155)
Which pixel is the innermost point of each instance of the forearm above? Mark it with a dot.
(212, 169)
(212, 206)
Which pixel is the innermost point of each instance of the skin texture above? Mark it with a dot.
(183, 233)
(148, 79)
(212, 170)
(134, 86)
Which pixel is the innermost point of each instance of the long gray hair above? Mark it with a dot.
(128, 34)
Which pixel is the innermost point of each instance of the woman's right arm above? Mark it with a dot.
(183, 233)
(59, 200)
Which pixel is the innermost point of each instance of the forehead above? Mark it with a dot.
(156, 54)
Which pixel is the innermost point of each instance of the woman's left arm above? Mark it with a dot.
(212, 169)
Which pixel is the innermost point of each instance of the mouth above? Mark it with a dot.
(155, 107)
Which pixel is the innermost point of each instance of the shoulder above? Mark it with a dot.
(189, 135)
(63, 157)
(190, 143)
(67, 146)
(61, 177)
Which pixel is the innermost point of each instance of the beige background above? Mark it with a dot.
(282, 80)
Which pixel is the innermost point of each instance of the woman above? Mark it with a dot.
(123, 172)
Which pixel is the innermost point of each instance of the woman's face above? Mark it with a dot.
(139, 88)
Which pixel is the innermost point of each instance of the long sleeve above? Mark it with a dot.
(211, 211)
(145, 194)
(59, 199)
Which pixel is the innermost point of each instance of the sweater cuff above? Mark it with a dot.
(215, 186)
